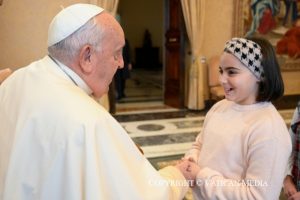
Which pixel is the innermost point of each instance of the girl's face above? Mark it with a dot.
(239, 84)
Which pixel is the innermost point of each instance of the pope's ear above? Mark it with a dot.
(85, 59)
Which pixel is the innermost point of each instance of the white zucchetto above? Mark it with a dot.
(69, 20)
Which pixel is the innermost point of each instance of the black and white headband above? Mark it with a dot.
(249, 53)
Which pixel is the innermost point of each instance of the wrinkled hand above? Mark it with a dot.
(189, 170)
(289, 187)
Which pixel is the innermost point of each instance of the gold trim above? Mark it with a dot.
(288, 64)
(238, 24)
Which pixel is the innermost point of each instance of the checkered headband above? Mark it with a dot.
(249, 53)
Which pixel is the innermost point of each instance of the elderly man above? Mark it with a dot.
(56, 141)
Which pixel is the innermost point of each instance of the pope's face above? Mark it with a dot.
(109, 58)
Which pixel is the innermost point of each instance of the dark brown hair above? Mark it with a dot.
(271, 87)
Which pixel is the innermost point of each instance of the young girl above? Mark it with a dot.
(292, 180)
(244, 146)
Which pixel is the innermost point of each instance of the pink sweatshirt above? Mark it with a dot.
(242, 151)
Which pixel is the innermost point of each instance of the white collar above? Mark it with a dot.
(73, 76)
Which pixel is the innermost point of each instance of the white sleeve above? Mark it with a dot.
(194, 152)
(178, 186)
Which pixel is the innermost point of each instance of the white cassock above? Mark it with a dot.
(57, 143)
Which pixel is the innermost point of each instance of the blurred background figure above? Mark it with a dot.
(124, 73)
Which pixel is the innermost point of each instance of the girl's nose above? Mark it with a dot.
(222, 78)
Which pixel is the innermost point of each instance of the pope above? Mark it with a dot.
(56, 141)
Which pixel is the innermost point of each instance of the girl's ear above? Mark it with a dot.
(85, 59)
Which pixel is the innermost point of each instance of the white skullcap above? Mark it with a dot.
(69, 20)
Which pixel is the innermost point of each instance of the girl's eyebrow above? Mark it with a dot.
(228, 68)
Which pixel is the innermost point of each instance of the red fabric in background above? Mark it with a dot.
(290, 43)
(267, 22)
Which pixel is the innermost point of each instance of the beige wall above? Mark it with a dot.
(23, 29)
(218, 26)
(24, 26)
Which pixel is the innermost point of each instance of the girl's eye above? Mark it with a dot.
(220, 71)
(231, 72)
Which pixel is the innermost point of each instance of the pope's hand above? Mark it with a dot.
(189, 170)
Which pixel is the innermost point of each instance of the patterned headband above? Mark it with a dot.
(249, 53)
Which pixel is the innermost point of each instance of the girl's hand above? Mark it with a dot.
(189, 170)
